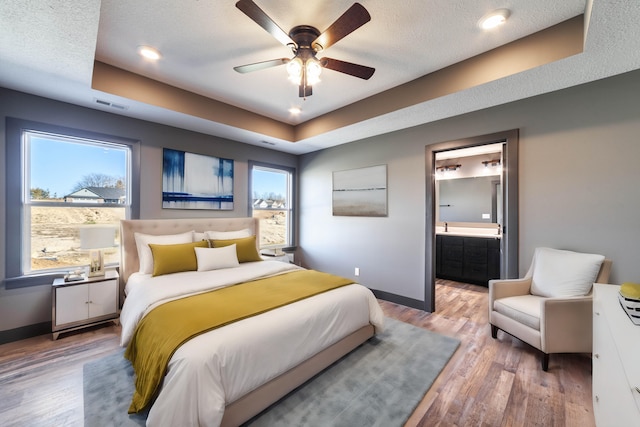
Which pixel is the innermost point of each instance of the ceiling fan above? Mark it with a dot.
(306, 41)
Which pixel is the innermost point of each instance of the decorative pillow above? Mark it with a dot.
(245, 248)
(217, 258)
(144, 253)
(558, 273)
(226, 235)
(175, 258)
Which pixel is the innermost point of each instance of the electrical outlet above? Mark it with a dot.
(486, 216)
(357, 271)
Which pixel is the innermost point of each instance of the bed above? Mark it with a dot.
(229, 374)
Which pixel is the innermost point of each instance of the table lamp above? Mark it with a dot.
(95, 239)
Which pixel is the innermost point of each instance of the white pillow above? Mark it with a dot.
(217, 258)
(144, 252)
(198, 236)
(227, 235)
(558, 273)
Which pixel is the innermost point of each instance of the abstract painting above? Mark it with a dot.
(360, 192)
(196, 181)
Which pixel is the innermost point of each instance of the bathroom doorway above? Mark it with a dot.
(506, 197)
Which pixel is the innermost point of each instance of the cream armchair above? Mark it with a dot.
(551, 307)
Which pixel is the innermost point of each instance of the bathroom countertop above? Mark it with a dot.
(469, 232)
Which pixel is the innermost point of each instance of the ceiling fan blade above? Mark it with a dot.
(248, 68)
(355, 17)
(350, 68)
(259, 17)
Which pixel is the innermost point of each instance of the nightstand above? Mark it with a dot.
(282, 258)
(88, 302)
(277, 255)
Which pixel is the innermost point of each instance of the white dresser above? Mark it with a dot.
(616, 361)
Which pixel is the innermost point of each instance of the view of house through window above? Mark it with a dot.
(271, 202)
(87, 187)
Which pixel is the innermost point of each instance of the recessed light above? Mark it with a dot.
(149, 52)
(494, 19)
(295, 110)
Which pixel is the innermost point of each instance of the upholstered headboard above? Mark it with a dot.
(129, 262)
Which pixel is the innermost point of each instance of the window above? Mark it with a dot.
(271, 200)
(60, 181)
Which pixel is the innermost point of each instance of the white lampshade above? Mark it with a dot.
(97, 237)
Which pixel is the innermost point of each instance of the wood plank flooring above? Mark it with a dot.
(486, 383)
(497, 382)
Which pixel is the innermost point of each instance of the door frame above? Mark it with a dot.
(509, 240)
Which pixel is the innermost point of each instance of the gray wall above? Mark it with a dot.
(27, 306)
(579, 186)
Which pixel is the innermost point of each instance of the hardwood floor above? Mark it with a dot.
(497, 382)
(486, 383)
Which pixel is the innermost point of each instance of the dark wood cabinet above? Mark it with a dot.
(452, 255)
(467, 259)
(493, 259)
(438, 266)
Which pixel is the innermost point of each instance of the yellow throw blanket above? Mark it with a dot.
(167, 327)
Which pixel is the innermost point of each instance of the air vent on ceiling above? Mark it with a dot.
(268, 143)
(111, 104)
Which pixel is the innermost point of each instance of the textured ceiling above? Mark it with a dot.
(401, 42)
(48, 48)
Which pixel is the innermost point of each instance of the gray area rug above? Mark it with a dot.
(378, 384)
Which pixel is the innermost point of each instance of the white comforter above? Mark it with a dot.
(220, 366)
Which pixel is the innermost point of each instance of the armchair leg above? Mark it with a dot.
(545, 362)
(494, 331)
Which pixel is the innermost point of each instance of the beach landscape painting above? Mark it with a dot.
(196, 181)
(360, 192)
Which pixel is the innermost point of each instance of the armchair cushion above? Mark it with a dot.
(523, 309)
(559, 273)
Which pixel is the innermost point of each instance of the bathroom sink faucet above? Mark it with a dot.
(446, 227)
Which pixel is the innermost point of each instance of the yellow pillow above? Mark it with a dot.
(246, 248)
(175, 258)
(630, 290)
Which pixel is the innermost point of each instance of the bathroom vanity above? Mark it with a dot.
(467, 255)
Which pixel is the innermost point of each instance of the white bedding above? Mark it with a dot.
(145, 292)
(220, 366)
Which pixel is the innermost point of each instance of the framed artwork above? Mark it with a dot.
(196, 181)
(360, 192)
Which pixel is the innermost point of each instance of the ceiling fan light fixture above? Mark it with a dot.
(313, 70)
(494, 19)
(149, 52)
(305, 41)
(294, 70)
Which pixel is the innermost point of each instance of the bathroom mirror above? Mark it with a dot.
(475, 199)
